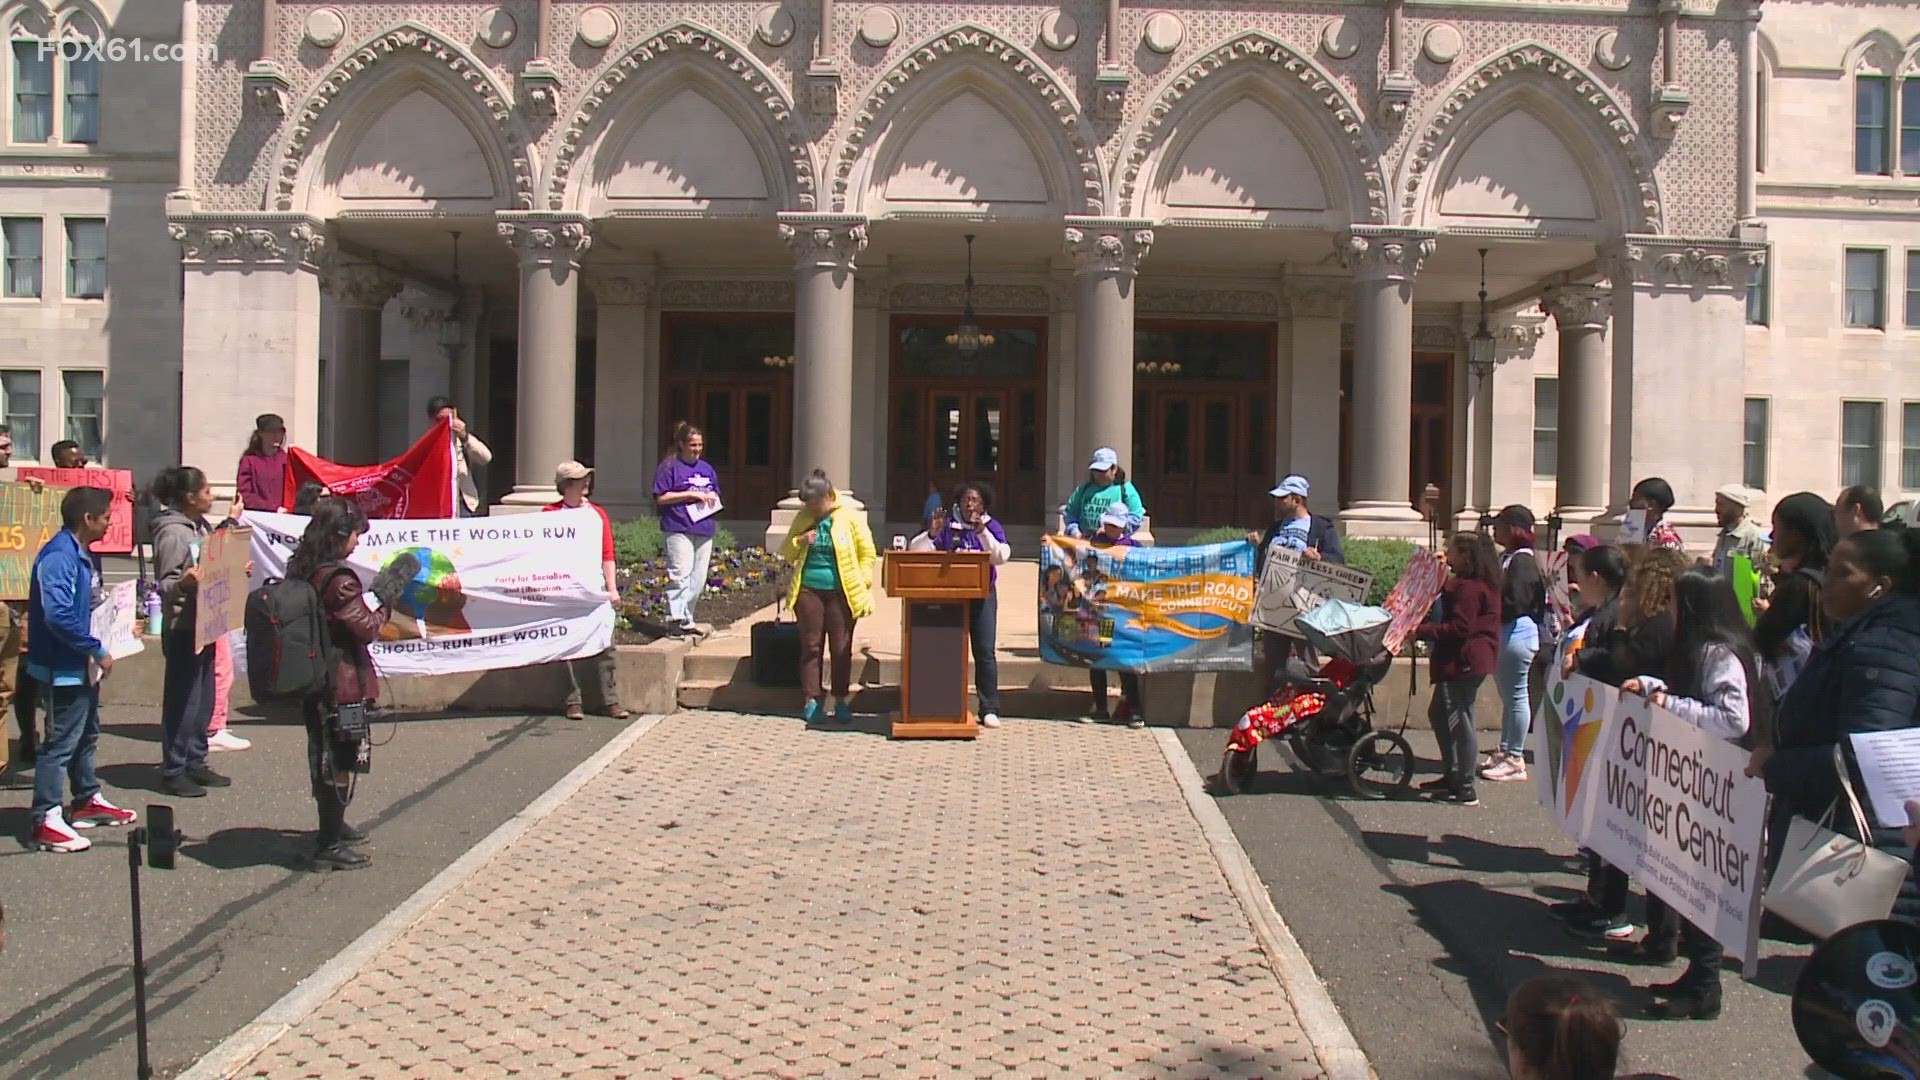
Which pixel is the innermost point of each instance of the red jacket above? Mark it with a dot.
(1467, 641)
(353, 626)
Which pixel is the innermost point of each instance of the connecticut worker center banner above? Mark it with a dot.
(491, 593)
(1146, 609)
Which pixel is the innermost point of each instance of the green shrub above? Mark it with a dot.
(1386, 560)
(1221, 534)
(639, 540)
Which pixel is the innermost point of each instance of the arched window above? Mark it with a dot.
(53, 78)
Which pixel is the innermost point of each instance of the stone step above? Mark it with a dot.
(875, 669)
(746, 697)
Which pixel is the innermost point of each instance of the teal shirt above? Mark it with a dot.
(822, 569)
(1088, 503)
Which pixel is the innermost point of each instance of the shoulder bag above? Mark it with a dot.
(1827, 882)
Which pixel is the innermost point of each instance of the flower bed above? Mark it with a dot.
(740, 581)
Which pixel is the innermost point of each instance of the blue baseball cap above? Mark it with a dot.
(1292, 485)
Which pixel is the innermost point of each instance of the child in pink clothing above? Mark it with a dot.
(218, 737)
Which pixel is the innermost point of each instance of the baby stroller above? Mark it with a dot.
(1326, 716)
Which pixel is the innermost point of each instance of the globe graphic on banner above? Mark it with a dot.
(432, 597)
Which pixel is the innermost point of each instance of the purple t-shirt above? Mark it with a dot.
(675, 474)
(958, 537)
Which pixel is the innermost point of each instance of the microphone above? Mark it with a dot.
(391, 582)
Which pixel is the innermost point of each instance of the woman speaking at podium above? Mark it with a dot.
(971, 528)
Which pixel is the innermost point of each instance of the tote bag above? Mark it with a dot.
(1826, 881)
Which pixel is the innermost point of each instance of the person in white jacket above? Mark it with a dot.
(1711, 682)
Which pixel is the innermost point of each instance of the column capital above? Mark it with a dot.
(623, 286)
(426, 310)
(831, 241)
(1108, 245)
(1684, 263)
(359, 285)
(248, 240)
(1374, 253)
(546, 239)
(1578, 306)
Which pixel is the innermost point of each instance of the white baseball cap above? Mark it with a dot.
(1104, 459)
(1292, 485)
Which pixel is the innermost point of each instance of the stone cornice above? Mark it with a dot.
(1374, 254)
(949, 296)
(1656, 262)
(831, 241)
(1163, 299)
(728, 295)
(359, 285)
(1108, 245)
(545, 239)
(243, 240)
(1571, 306)
(621, 286)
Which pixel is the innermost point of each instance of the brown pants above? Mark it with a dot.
(825, 620)
(13, 640)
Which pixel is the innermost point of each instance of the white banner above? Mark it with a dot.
(1292, 585)
(491, 593)
(1659, 798)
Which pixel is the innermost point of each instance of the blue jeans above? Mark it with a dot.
(983, 627)
(73, 730)
(688, 558)
(1519, 643)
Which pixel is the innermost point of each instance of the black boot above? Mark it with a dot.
(1695, 995)
(350, 834)
(331, 846)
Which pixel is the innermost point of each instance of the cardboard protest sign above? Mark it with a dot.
(220, 604)
(28, 519)
(1412, 596)
(119, 538)
(1291, 585)
(117, 621)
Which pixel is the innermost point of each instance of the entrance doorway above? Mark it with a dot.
(1202, 444)
(732, 376)
(1431, 427)
(960, 418)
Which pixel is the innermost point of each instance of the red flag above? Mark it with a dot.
(417, 484)
(119, 538)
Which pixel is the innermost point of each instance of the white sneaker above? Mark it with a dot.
(54, 835)
(990, 720)
(225, 739)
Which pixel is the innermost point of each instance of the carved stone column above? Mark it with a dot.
(824, 248)
(1581, 313)
(627, 439)
(1384, 263)
(250, 340)
(1106, 259)
(360, 292)
(549, 248)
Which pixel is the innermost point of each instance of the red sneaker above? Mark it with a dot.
(98, 811)
(54, 835)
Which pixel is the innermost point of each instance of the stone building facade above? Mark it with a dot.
(1231, 240)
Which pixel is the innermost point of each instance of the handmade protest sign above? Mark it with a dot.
(1146, 609)
(119, 538)
(29, 517)
(116, 622)
(1659, 798)
(221, 597)
(1415, 592)
(1292, 585)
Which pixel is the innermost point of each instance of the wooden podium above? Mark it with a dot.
(936, 653)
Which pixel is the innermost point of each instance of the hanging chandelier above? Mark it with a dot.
(968, 338)
(1483, 353)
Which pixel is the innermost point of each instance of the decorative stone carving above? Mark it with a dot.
(823, 88)
(943, 296)
(325, 27)
(544, 240)
(359, 285)
(1163, 32)
(879, 26)
(1396, 96)
(1257, 46)
(1016, 61)
(773, 25)
(1340, 38)
(1059, 31)
(410, 39)
(1384, 254)
(824, 240)
(251, 240)
(268, 87)
(1442, 43)
(726, 295)
(1578, 305)
(598, 27)
(1516, 340)
(1107, 245)
(618, 289)
(1174, 300)
(1670, 106)
(1608, 53)
(426, 311)
(1656, 261)
(1436, 336)
(540, 83)
(1110, 86)
(1319, 298)
(497, 28)
(1540, 62)
(735, 64)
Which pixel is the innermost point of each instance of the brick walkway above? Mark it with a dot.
(737, 897)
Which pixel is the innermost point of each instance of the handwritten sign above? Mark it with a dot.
(28, 519)
(116, 622)
(119, 538)
(1633, 527)
(1415, 592)
(222, 597)
(1291, 586)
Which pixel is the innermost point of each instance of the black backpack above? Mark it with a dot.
(289, 653)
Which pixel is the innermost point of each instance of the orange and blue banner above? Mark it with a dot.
(1146, 609)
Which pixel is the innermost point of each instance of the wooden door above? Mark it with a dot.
(748, 432)
(955, 420)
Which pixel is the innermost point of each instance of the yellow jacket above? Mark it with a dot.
(853, 551)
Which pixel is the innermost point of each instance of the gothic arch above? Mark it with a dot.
(1876, 53)
(409, 57)
(728, 74)
(28, 19)
(987, 63)
(1564, 96)
(1353, 173)
(82, 20)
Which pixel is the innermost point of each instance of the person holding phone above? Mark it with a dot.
(971, 528)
